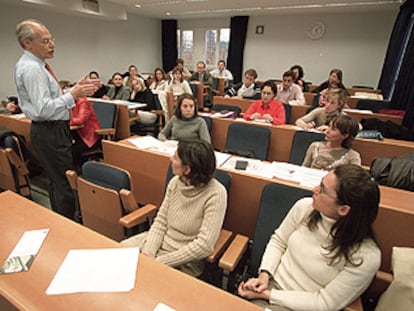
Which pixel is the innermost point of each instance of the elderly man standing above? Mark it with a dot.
(42, 101)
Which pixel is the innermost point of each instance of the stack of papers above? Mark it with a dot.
(254, 166)
(229, 114)
(305, 176)
(152, 143)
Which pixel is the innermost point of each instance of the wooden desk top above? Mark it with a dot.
(155, 282)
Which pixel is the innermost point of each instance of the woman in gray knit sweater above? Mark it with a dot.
(185, 123)
(191, 215)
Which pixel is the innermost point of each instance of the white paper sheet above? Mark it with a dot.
(96, 270)
(23, 254)
(221, 158)
(163, 307)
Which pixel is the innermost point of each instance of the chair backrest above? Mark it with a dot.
(300, 143)
(218, 85)
(208, 122)
(248, 140)
(14, 174)
(223, 107)
(157, 102)
(373, 105)
(288, 111)
(106, 176)
(100, 204)
(362, 87)
(275, 203)
(106, 114)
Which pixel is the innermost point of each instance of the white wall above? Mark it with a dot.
(354, 42)
(83, 44)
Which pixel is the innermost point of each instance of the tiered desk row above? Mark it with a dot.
(149, 168)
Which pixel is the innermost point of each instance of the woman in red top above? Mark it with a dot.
(267, 109)
(85, 138)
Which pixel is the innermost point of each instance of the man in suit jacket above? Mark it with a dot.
(203, 76)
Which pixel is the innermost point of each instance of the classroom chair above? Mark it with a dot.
(107, 114)
(275, 203)
(14, 174)
(218, 86)
(154, 128)
(211, 273)
(288, 112)
(98, 190)
(208, 121)
(300, 144)
(248, 140)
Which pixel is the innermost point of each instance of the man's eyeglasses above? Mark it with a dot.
(47, 41)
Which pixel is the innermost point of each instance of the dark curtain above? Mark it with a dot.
(238, 31)
(169, 44)
(403, 97)
(394, 48)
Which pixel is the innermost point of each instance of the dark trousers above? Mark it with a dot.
(53, 144)
(79, 148)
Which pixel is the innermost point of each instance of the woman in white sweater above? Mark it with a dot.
(191, 215)
(324, 254)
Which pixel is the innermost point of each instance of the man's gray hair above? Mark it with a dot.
(25, 30)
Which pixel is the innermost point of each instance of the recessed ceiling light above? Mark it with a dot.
(138, 5)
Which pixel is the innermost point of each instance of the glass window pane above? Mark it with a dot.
(224, 43)
(187, 47)
(211, 47)
(179, 42)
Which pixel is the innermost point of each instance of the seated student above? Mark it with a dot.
(186, 74)
(268, 108)
(140, 94)
(337, 148)
(132, 73)
(102, 90)
(334, 82)
(13, 105)
(185, 123)
(159, 87)
(159, 84)
(178, 85)
(222, 72)
(324, 254)
(117, 90)
(191, 215)
(85, 139)
(288, 92)
(320, 118)
(246, 89)
(298, 76)
(204, 77)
